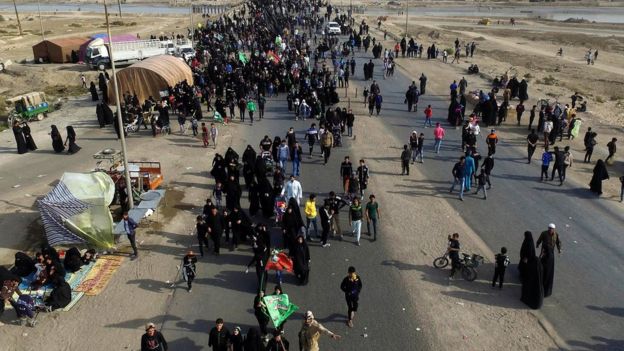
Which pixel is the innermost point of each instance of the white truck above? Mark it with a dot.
(124, 53)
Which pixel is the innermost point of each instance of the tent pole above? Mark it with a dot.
(122, 136)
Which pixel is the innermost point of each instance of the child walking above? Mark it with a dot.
(214, 133)
(205, 134)
(217, 193)
(501, 263)
(194, 125)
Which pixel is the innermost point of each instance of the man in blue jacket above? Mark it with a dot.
(130, 226)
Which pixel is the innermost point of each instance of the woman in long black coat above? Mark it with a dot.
(57, 139)
(530, 274)
(218, 169)
(600, 174)
(267, 198)
(18, 132)
(249, 162)
(30, 142)
(71, 139)
(290, 229)
(94, 93)
(232, 193)
(99, 113)
(301, 260)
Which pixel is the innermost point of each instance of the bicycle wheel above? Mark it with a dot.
(441, 262)
(468, 273)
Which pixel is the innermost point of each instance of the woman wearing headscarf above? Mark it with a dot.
(301, 260)
(253, 341)
(249, 161)
(267, 198)
(260, 312)
(600, 174)
(218, 169)
(57, 139)
(530, 274)
(276, 144)
(18, 132)
(94, 93)
(71, 138)
(30, 142)
(291, 224)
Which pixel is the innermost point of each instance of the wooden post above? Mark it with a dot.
(119, 6)
(19, 24)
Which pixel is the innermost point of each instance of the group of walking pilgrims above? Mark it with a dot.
(279, 36)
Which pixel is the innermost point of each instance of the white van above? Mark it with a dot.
(333, 28)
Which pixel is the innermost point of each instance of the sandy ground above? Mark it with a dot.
(22, 78)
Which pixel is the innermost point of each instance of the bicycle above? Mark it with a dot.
(467, 265)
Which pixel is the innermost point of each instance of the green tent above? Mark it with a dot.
(76, 210)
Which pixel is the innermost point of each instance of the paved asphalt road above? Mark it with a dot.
(224, 290)
(586, 307)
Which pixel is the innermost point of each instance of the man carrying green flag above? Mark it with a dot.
(242, 58)
(279, 308)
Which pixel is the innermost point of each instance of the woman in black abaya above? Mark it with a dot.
(600, 174)
(249, 162)
(57, 139)
(267, 199)
(301, 260)
(71, 138)
(530, 274)
(30, 142)
(94, 93)
(218, 169)
(22, 147)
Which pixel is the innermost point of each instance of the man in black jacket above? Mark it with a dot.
(216, 224)
(218, 338)
(335, 204)
(202, 234)
(278, 342)
(153, 340)
(351, 286)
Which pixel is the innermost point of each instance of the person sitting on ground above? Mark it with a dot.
(88, 257)
(60, 296)
(72, 261)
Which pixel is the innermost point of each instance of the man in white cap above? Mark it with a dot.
(153, 340)
(310, 333)
(548, 239)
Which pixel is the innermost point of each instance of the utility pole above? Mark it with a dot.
(122, 136)
(119, 6)
(40, 20)
(19, 24)
(192, 29)
(406, 15)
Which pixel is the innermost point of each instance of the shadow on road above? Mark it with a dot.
(614, 311)
(603, 344)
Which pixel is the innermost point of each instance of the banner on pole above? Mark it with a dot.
(279, 308)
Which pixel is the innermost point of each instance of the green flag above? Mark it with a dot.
(279, 308)
(242, 58)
